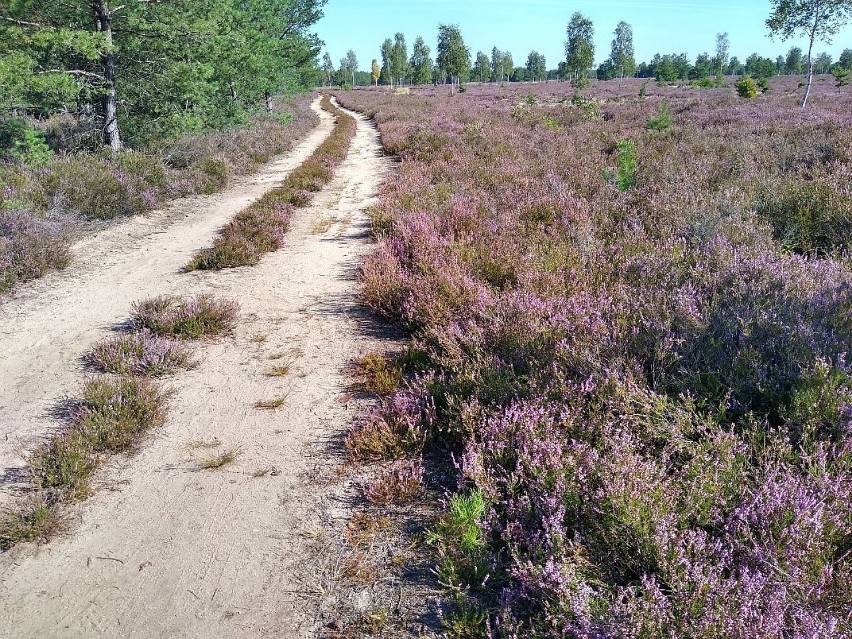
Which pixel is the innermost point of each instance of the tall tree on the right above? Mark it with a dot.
(812, 19)
(622, 55)
(580, 47)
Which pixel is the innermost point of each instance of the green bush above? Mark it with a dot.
(21, 143)
(627, 166)
(663, 120)
(746, 87)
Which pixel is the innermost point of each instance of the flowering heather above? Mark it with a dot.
(29, 246)
(193, 318)
(141, 353)
(643, 381)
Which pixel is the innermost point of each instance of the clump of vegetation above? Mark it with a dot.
(110, 417)
(220, 459)
(141, 353)
(378, 373)
(37, 520)
(29, 247)
(193, 318)
(663, 121)
(271, 404)
(402, 483)
(627, 165)
(385, 439)
(460, 541)
(260, 228)
(746, 87)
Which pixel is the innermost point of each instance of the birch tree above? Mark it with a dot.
(815, 20)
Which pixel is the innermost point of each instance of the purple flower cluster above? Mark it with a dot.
(648, 386)
(29, 246)
(141, 353)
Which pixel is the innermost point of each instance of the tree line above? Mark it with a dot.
(144, 69)
(816, 20)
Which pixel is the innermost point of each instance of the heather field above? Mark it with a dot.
(630, 316)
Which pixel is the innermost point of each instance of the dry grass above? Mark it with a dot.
(193, 318)
(322, 225)
(201, 444)
(220, 459)
(402, 483)
(266, 470)
(281, 370)
(271, 404)
(364, 527)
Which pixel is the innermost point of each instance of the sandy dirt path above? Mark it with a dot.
(167, 549)
(50, 323)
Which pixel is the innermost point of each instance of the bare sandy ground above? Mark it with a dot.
(166, 548)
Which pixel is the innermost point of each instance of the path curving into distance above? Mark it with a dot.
(166, 548)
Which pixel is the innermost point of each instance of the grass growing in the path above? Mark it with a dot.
(260, 227)
(140, 353)
(202, 316)
(113, 413)
(111, 417)
(271, 404)
(220, 459)
(36, 520)
(281, 370)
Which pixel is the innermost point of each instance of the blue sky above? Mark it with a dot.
(665, 26)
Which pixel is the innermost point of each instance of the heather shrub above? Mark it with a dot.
(140, 353)
(29, 247)
(110, 416)
(215, 173)
(94, 188)
(378, 374)
(402, 483)
(809, 216)
(193, 318)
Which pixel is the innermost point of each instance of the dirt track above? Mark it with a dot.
(166, 549)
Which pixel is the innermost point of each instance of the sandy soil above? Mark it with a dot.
(166, 548)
